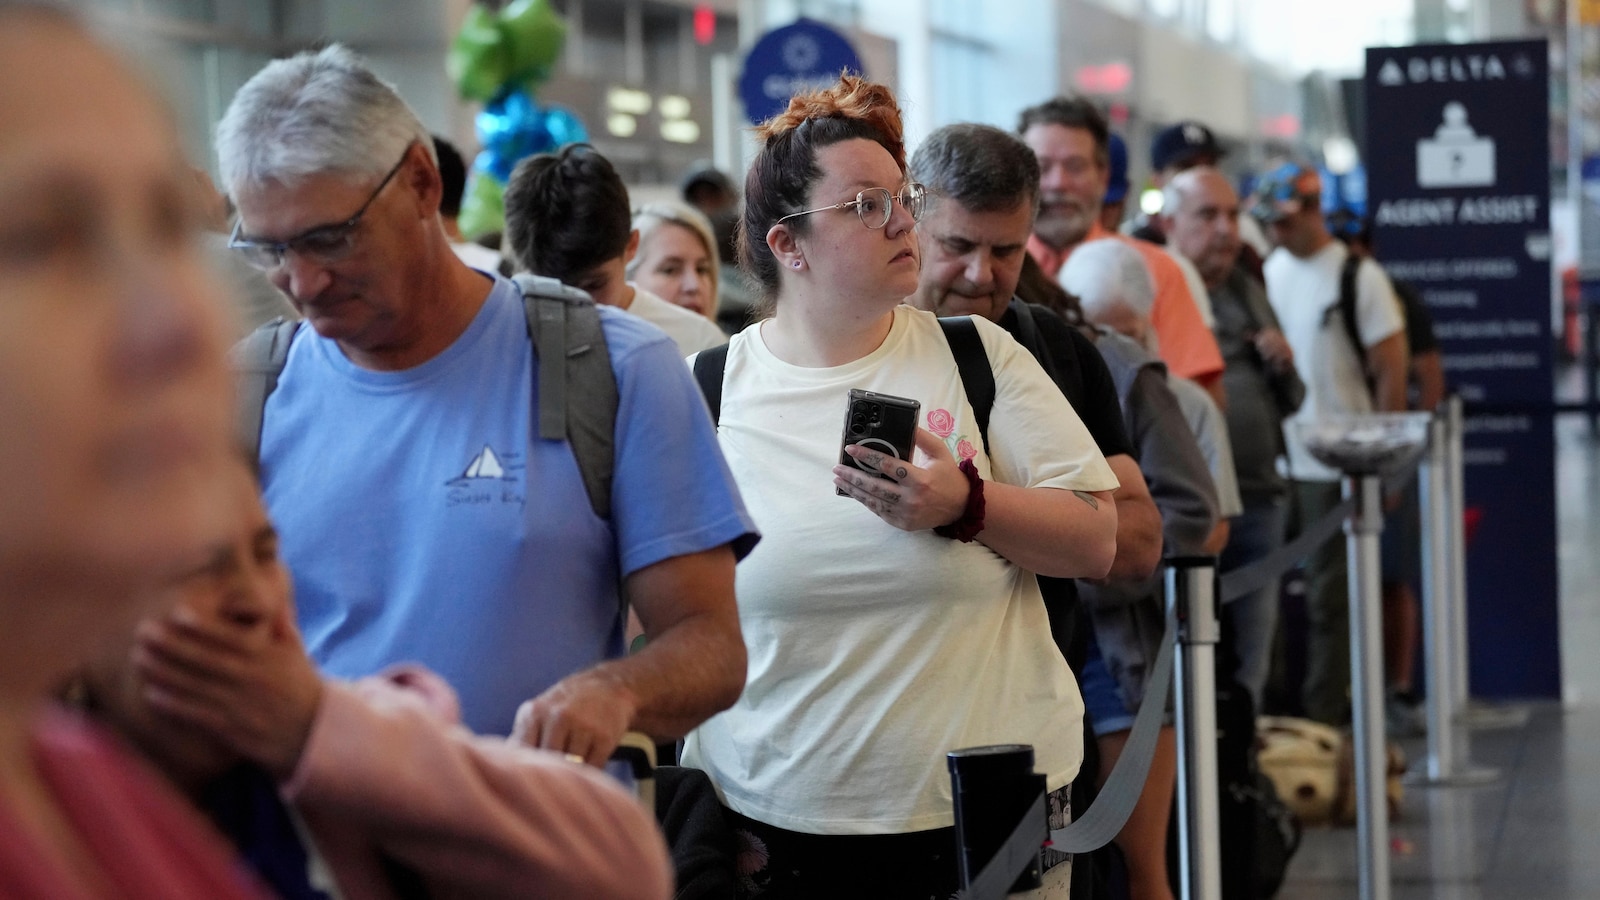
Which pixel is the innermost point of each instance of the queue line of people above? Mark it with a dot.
(424, 524)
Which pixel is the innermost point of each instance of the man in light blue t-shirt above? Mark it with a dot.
(421, 518)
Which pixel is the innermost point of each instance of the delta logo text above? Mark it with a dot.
(1397, 71)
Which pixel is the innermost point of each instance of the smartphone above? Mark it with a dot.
(882, 422)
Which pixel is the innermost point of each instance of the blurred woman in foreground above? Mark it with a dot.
(114, 394)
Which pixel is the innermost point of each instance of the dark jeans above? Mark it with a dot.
(1254, 534)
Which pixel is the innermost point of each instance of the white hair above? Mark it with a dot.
(315, 113)
(1106, 273)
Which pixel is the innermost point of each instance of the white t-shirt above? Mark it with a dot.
(875, 651)
(691, 331)
(1302, 291)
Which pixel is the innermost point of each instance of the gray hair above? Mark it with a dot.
(315, 113)
(649, 218)
(1108, 272)
(981, 167)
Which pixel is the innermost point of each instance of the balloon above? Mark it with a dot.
(564, 127)
(534, 33)
(479, 60)
(499, 58)
(483, 209)
(513, 127)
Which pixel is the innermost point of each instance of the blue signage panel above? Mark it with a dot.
(1458, 168)
(788, 60)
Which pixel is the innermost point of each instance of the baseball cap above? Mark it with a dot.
(1284, 191)
(1117, 150)
(1182, 143)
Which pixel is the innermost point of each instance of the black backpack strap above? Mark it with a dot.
(1347, 309)
(577, 396)
(972, 361)
(1029, 336)
(258, 360)
(708, 368)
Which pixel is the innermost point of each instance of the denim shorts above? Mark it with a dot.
(1102, 701)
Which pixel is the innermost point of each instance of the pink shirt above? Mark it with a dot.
(148, 843)
(1187, 346)
(387, 773)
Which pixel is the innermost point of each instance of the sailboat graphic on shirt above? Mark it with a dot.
(486, 466)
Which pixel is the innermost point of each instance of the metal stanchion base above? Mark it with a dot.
(1485, 717)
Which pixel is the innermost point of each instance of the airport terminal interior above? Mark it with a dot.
(659, 87)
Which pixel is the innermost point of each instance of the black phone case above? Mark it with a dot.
(881, 421)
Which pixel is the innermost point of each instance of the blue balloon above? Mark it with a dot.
(513, 127)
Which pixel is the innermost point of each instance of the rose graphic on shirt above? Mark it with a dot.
(941, 423)
(965, 450)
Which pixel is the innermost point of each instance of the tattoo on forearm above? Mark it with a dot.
(1087, 498)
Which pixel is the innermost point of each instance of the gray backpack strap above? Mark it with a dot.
(258, 360)
(577, 396)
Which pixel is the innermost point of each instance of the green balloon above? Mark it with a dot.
(483, 209)
(534, 34)
(479, 60)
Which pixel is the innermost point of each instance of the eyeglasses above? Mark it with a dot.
(323, 245)
(874, 207)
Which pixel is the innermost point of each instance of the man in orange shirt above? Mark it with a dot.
(1070, 138)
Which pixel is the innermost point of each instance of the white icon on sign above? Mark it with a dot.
(801, 52)
(1455, 156)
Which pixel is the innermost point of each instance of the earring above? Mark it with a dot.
(796, 264)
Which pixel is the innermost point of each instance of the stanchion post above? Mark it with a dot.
(1433, 477)
(1457, 532)
(1192, 595)
(1366, 669)
(1447, 762)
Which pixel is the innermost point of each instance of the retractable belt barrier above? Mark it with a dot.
(1104, 818)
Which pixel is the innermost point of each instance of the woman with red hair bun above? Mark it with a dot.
(900, 620)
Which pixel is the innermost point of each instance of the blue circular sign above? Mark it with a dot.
(788, 60)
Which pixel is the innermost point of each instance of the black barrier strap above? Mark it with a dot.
(1269, 568)
(1106, 816)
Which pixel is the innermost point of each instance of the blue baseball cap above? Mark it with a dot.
(1117, 150)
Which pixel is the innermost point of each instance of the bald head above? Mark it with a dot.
(1200, 214)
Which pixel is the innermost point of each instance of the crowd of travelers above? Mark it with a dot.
(376, 630)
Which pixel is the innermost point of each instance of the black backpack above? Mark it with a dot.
(1345, 308)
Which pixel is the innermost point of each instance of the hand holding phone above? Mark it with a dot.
(881, 422)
